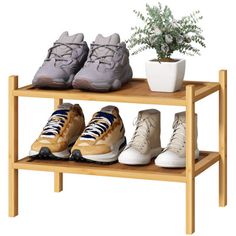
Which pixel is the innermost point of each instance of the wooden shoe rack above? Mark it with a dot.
(136, 91)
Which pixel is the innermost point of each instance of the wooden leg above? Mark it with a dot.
(58, 176)
(223, 138)
(190, 160)
(13, 147)
(58, 182)
(57, 102)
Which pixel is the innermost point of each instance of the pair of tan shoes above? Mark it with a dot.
(65, 136)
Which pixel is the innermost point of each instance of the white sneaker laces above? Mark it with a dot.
(178, 139)
(97, 126)
(141, 138)
(55, 123)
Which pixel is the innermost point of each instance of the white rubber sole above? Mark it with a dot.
(63, 154)
(142, 161)
(176, 164)
(108, 157)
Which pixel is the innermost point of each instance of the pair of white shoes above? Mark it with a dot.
(145, 143)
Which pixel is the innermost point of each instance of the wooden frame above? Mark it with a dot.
(190, 160)
(58, 176)
(13, 147)
(223, 138)
(136, 91)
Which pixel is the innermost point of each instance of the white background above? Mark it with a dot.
(105, 206)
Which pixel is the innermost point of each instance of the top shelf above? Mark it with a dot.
(136, 91)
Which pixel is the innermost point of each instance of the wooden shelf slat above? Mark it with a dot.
(150, 172)
(205, 163)
(206, 90)
(136, 91)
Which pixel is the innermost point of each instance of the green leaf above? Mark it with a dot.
(159, 21)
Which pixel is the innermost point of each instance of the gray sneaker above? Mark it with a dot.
(107, 67)
(65, 58)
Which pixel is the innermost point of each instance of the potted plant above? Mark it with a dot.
(166, 34)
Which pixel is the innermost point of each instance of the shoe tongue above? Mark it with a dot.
(64, 106)
(113, 39)
(180, 117)
(66, 39)
(146, 113)
(111, 110)
(76, 38)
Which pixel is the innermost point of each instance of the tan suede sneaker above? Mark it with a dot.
(103, 138)
(61, 131)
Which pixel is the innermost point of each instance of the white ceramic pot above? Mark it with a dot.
(165, 76)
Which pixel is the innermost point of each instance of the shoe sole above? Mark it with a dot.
(86, 85)
(174, 165)
(104, 159)
(83, 84)
(48, 83)
(153, 153)
(46, 154)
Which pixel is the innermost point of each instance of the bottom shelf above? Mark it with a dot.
(150, 172)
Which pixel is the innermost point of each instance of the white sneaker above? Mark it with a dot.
(145, 143)
(174, 155)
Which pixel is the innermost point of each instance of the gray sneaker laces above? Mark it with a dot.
(101, 59)
(141, 135)
(177, 141)
(58, 57)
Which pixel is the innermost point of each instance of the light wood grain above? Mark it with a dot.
(58, 182)
(57, 102)
(223, 138)
(206, 90)
(190, 160)
(136, 91)
(13, 147)
(58, 176)
(118, 170)
(150, 172)
(204, 163)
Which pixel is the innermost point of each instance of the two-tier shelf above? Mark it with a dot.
(136, 91)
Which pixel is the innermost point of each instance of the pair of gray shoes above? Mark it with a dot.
(70, 63)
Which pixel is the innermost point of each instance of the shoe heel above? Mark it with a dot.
(76, 156)
(123, 145)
